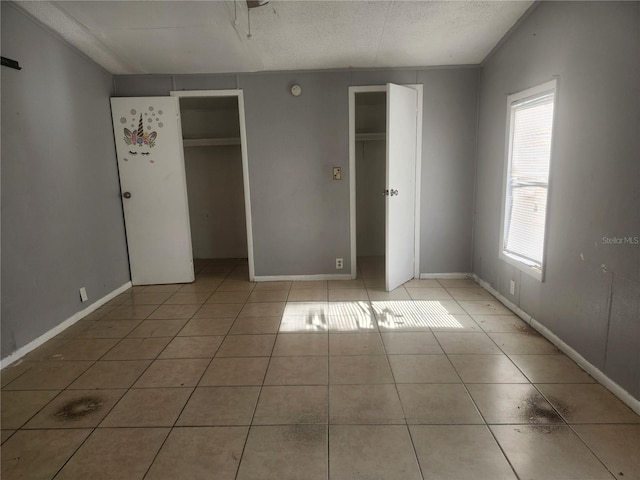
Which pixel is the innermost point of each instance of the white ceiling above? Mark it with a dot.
(128, 37)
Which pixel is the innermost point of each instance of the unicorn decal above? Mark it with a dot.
(139, 137)
(141, 140)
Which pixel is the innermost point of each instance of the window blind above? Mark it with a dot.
(528, 177)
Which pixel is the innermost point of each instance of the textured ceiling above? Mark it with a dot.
(128, 37)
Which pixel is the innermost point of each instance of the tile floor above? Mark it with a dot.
(226, 379)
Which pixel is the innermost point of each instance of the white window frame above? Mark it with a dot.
(522, 264)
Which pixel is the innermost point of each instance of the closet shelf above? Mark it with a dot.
(210, 142)
(371, 136)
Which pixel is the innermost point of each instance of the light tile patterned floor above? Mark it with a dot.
(227, 379)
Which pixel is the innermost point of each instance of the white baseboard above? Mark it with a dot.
(427, 276)
(303, 278)
(601, 377)
(22, 351)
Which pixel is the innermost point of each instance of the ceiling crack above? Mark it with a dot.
(386, 18)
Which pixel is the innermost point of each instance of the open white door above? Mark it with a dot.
(148, 140)
(402, 104)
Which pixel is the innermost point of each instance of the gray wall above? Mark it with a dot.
(371, 176)
(448, 169)
(214, 178)
(216, 201)
(62, 225)
(590, 297)
(300, 215)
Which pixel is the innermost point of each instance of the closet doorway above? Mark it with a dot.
(385, 126)
(217, 177)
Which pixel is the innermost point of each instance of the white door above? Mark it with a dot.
(148, 140)
(402, 105)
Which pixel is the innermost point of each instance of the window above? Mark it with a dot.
(530, 120)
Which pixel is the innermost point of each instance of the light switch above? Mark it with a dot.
(337, 173)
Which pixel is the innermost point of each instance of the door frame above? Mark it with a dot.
(352, 171)
(245, 158)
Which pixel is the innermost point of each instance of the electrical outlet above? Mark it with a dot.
(83, 294)
(512, 287)
(339, 263)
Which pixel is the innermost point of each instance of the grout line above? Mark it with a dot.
(255, 408)
(404, 414)
(486, 425)
(276, 424)
(328, 333)
(415, 453)
(74, 452)
(194, 388)
(328, 354)
(570, 425)
(94, 428)
(151, 361)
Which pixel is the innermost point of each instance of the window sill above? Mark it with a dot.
(525, 266)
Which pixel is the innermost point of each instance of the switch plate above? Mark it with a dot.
(512, 287)
(83, 294)
(339, 263)
(337, 173)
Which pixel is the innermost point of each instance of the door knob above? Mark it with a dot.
(126, 195)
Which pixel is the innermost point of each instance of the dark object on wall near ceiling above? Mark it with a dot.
(7, 62)
(256, 3)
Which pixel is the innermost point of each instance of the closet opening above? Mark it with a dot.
(385, 137)
(370, 157)
(213, 137)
